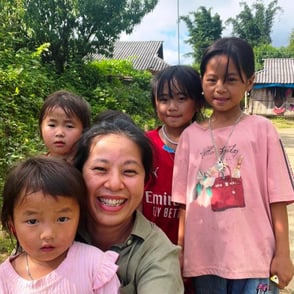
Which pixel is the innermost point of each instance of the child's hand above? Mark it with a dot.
(282, 267)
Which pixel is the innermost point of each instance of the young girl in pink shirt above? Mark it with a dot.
(44, 202)
(231, 173)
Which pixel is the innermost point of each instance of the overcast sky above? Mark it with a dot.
(161, 24)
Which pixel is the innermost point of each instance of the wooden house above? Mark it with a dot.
(273, 90)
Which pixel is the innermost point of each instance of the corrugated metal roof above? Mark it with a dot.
(145, 55)
(276, 71)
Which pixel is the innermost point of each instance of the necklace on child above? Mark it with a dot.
(166, 137)
(28, 268)
(220, 165)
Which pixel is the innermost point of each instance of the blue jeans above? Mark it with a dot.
(210, 284)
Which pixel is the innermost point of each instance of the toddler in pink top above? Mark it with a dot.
(43, 206)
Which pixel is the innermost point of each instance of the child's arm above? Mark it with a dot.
(181, 234)
(281, 263)
(182, 212)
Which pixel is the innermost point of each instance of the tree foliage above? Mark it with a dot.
(255, 23)
(25, 81)
(11, 26)
(268, 51)
(115, 84)
(203, 29)
(291, 43)
(76, 28)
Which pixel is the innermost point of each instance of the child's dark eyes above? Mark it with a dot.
(228, 80)
(70, 126)
(52, 125)
(182, 98)
(178, 98)
(63, 219)
(162, 99)
(31, 221)
(232, 79)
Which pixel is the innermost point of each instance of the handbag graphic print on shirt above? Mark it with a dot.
(221, 190)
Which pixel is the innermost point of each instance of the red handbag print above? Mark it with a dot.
(227, 192)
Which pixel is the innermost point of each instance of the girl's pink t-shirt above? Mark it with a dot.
(86, 269)
(234, 243)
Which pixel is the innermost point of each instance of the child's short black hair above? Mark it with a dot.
(185, 79)
(72, 105)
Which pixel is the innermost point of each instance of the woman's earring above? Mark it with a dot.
(202, 93)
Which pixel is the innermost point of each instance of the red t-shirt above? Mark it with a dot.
(157, 205)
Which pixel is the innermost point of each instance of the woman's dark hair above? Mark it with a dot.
(118, 126)
(70, 103)
(238, 50)
(54, 177)
(111, 115)
(185, 79)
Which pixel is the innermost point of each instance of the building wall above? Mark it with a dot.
(271, 102)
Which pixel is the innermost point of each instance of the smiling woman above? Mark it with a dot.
(116, 161)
